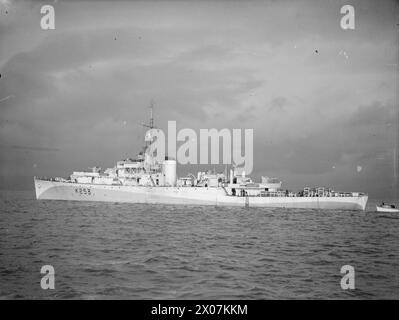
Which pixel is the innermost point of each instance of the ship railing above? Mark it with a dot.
(283, 193)
(54, 179)
(45, 178)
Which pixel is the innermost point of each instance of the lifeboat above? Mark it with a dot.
(387, 208)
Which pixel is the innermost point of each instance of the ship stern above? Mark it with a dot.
(363, 201)
(37, 189)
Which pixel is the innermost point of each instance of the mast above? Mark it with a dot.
(151, 114)
(395, 178)
(394, 187)
(148, 160)
(151, 123)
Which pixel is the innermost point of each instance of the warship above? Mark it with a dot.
(144, 179)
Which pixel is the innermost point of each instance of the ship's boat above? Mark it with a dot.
(387, 208)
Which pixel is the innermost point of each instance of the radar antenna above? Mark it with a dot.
(151, 124)
(148, 141)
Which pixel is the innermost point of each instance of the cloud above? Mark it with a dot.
(278, 104)
(360, 137)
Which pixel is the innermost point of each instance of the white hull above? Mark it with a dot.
(54, 190)
(382, 209)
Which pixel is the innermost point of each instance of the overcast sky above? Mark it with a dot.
(322, 101)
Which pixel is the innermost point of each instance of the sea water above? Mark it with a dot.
(135, 251)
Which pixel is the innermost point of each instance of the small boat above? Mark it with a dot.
(387, 208)
(390, 207)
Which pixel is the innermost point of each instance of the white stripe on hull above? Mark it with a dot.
(53, 190)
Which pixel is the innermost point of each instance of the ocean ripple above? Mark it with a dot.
(131, 251)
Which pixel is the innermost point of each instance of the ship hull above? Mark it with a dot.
(55, 190)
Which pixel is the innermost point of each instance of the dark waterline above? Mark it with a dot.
(129, 251)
